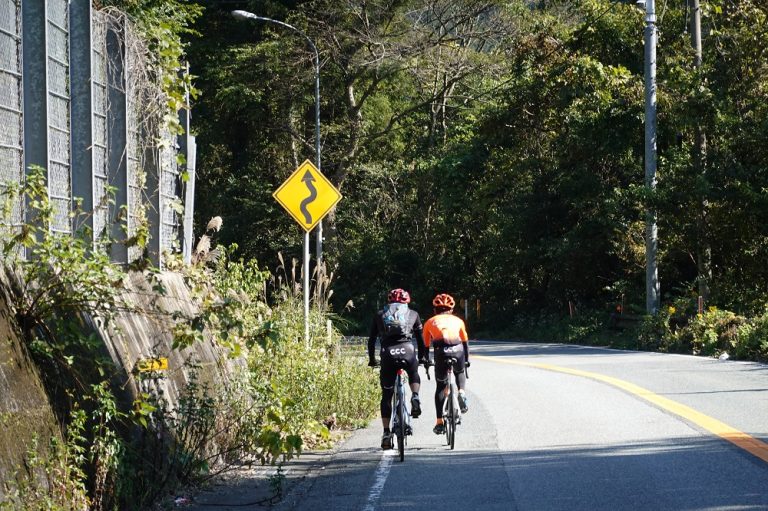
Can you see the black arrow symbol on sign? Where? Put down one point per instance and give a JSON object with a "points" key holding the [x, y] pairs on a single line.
{"points": [[309, 180]]}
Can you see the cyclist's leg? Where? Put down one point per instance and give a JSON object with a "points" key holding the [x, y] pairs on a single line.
{"points": [[441, 379], [461, 381], [387, 376], [387, 380], [413, 370], [458, 370]]}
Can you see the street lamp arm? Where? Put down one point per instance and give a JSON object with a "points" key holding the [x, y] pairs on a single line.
{"points": [[244, 15]]}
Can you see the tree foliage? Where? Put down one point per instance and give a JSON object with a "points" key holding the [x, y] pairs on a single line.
{"points": [[494, 149]]}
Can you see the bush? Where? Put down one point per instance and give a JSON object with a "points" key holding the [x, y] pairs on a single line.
{"points": [[752, 339], [677, 329], [319, 381], [654, 332], [588, 327], [710, 333], [313, 379], [78, 473]]}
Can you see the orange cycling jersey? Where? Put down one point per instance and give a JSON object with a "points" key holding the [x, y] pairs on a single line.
{"points": [[444, 327]]}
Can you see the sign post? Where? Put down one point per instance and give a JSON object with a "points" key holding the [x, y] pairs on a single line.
{"points": [[307, 196]]}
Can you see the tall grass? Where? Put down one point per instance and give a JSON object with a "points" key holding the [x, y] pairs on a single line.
{"points": [[313, 377]]}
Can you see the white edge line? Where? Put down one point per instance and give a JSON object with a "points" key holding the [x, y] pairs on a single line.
{"points": [[382, 472]]}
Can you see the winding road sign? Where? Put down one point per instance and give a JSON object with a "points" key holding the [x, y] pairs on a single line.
{"points": [[307, 195]]}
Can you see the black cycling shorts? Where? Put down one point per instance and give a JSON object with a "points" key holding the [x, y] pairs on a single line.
{"points": [[398, 356], [445, 351]]}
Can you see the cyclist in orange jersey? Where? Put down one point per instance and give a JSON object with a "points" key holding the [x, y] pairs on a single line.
{"points": [[448, 334]]}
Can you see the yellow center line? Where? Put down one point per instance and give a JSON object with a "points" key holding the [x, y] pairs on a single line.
{"points": [[714, 426]]}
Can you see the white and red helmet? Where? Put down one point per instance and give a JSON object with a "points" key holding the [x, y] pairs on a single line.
{"points": [[398, 295]]}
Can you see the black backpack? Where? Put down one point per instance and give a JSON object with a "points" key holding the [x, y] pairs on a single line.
{"points": [[395, 319]]}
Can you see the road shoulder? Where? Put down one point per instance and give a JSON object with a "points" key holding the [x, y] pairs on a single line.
{"points": [[269, 486]]}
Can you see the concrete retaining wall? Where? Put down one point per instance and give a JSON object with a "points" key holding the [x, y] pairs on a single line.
{"points": [[25, 412], [132, 336], [135, 336]]}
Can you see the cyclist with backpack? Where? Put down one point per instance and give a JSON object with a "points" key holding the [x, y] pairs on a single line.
{"points": [[448, 334], [396, 325]]}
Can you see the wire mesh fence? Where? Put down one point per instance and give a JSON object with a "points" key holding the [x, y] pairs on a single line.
{"points": [[354, 347], [11, 127], [169, 192], [134, 155], [149, 154]]}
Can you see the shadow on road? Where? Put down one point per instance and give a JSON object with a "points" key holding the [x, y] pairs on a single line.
{"points": [[521, 348], [676, 474]]}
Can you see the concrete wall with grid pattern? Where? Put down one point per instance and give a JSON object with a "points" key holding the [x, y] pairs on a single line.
{"points": [[71, 102]]}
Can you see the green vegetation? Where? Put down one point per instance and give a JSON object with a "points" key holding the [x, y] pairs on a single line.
{"points": [[162, 24], [592, 328], [495, 149], [713, 332], [285, 397]]}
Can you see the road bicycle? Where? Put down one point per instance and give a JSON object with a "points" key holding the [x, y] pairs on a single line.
{"points": [[401, 416], [451, 410], [451, 417]]}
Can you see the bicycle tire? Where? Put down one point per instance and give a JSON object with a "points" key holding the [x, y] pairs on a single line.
{"points": [[401, 439], [451, 418], [400, 413], [445, 418]]}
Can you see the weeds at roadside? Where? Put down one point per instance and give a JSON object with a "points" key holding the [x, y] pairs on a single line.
{"points": [[126, 459], [276, 483]]}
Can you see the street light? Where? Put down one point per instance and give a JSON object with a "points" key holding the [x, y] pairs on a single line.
{"points": [[245, 15]]}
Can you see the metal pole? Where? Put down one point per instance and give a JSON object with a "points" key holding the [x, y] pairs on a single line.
{"points": [[242, 15], [83, 141], [306, 288], [696, 32], [651, 231], [319, 244]]}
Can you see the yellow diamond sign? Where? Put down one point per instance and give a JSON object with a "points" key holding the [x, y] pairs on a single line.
{"points": [[307, 195]]}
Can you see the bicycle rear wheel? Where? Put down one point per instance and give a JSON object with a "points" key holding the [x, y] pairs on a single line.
{"points": [[401, 439], [451, 423], [446, 422], [400, 417]]}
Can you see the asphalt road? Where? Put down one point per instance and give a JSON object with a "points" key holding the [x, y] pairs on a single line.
{"points": [[555, 427]]}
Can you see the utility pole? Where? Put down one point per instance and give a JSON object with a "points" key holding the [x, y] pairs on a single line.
{"points": [[696, 31], [704, 250], [651, 231], [319, 229]]}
